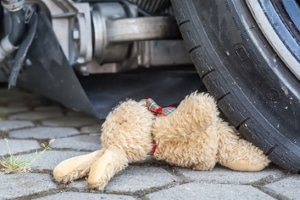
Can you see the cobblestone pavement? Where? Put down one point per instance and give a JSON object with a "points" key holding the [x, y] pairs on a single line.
{"points": [[28, 121]]}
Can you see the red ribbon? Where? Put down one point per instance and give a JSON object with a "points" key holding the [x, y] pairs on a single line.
{"points": [[152, 106]]}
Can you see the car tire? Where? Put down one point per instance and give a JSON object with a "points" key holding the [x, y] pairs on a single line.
{"points": [[253, 87]]}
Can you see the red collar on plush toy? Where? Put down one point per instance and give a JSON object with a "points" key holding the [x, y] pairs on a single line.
{"points": [[158, 110]]}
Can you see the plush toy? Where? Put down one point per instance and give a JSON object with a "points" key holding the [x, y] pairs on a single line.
{"points": [[191, 136]]}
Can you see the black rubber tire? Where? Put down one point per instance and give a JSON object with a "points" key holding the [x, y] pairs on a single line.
{"points": [[253, 88]]}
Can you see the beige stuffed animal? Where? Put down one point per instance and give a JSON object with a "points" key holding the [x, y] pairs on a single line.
{"points": [[192, 136]]}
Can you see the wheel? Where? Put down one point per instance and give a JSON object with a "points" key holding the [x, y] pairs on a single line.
{"points": [[254, 75]]}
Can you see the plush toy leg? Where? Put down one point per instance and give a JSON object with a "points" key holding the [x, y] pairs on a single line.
{"points": [[112, 161], [76, 167], [239, 154], [194, 114]]}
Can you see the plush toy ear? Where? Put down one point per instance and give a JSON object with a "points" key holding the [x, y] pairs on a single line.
{"points": [[239, 154], [194, 114], [76, 167], [111, 162]]}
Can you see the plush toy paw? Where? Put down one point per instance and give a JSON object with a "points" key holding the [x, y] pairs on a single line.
{"points": [[76, 167], [126, 137], [237, 153], [112, 161]]}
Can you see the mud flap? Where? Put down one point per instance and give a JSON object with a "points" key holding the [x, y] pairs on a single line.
{"points": [[48, 73]]}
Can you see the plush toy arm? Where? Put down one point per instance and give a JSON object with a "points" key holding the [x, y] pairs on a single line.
{"points": [[112, 161], [76, 167], [194, 115], [239, 154]]}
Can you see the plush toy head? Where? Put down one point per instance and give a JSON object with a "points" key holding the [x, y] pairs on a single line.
{"points": [[191, 136]]}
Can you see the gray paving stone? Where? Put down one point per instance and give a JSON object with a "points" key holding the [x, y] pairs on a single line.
{"points": [[35, 115], [92, 129], [136, 178], [18, 146], [7, 97], [89, 196], [223, 175], [48, 108], [80, 185], [28, 102], [23, 184], [71, 121], [50, 159], [218, 184], [43, 132], [3, 101], [17, 103], [10, 110], [120, 179], [81, 142], [288, 187], [3, 92], [206, 191], [8, 125], [14, 93], [71, 113]]}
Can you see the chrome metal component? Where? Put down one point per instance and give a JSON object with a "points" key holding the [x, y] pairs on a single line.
{"points": [[115, 31], [83, 25], [73, 27], [104, 50], [13, 5], [61, 26], [156, 53], [108, 37], [144, 28], [6, 48], [93, 67], [160, 53]]}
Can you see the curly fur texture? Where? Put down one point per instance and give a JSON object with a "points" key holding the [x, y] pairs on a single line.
{"points": [[129, 128], [192, 136]]}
